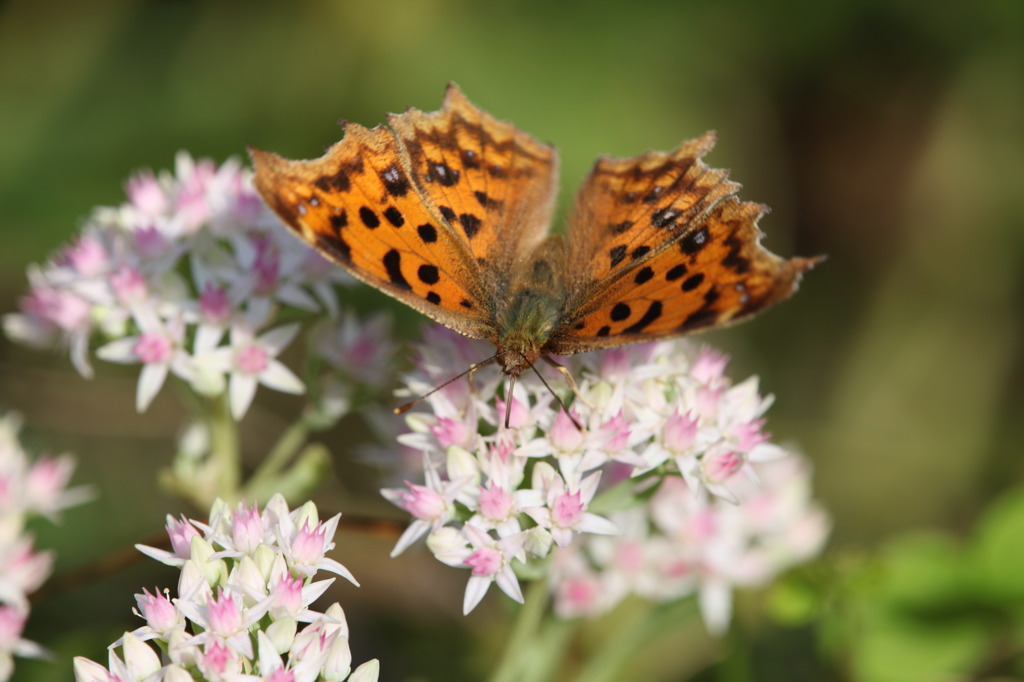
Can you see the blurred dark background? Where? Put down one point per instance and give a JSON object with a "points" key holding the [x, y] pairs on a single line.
{"points": [[888, 135]]}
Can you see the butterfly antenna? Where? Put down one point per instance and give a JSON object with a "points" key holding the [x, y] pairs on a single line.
{"points": [[508, 401], [579, 427], [402, 409]]}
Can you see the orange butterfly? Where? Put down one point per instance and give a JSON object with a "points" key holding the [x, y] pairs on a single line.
{"points": [[449, 212]]}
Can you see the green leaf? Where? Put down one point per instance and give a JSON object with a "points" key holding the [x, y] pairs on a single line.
{"points": [[894, 648], [999, 549], [925, 569], [794, 601]]}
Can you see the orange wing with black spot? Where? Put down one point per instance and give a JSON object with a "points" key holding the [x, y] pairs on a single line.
{"points": [[671, 251], [493, 183], [430, 211]]}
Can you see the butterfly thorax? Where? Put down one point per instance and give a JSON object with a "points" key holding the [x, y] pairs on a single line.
{"points": [[524, 327]]}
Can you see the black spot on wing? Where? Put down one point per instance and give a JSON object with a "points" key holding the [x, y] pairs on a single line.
{"points": [[339, 220], [652, 314], [427, 232], [694, 242], [434, 297], [448, 213], [393, 265], [653, 195], [470, 159], [395, 182], [442, 174], [369, 218], [701, 317], [640, 252], [643, 275], [486, 201], [693, 281], [620, 312], [665, 217], [337, 247], [616, 254], [619, 228], [733, 260], [394, 216], [676, 272], [428, 274], [338, 182], [470, 224]]}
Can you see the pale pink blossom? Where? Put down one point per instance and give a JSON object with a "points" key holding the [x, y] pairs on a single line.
{"points": [[665, 414]]}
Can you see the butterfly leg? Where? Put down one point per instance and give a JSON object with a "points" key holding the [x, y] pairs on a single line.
{"points": [[569, 378]]}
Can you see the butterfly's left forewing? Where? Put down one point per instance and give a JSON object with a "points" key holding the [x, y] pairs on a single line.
{"points": [[358, 205]]}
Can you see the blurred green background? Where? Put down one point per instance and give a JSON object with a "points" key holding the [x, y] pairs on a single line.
{"points": [[888, 135]]}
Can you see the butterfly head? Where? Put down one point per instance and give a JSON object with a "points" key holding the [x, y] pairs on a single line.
{"points": [[515, 361]]}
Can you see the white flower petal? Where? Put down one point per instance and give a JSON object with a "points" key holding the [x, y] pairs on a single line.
{"points": [[207, 338], [509, 584], [333, 566], [278, 338], [241, 389], [414, 532], [175, 673], [89, 671], [476, 588], [593, 523], [279, 378], [139, 657], [122, 351], [367, 672], [715, 600], [151, 379]]}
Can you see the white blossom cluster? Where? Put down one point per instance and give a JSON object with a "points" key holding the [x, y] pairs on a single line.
{"points": [[658, 417], [27, 488], [246, 585], [191, 277]]}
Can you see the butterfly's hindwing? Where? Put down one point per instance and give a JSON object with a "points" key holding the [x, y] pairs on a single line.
{"points": [[492, 182]]}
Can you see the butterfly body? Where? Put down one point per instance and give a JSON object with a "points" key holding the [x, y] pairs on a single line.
{"points": [[449, 212]]}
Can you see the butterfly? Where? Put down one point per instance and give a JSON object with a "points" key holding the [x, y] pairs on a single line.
{"points": [[449, 212]]}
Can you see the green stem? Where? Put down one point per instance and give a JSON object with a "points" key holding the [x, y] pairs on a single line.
{"points": [[224, 449], [628, 637], [736, 665], [549, 648], [283, 451], [521, 639]]}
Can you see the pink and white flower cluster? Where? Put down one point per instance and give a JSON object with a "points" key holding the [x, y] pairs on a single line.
{"points": [[27, 488], [247, 583], [661, 414], [188, 278], [680, 543]]}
